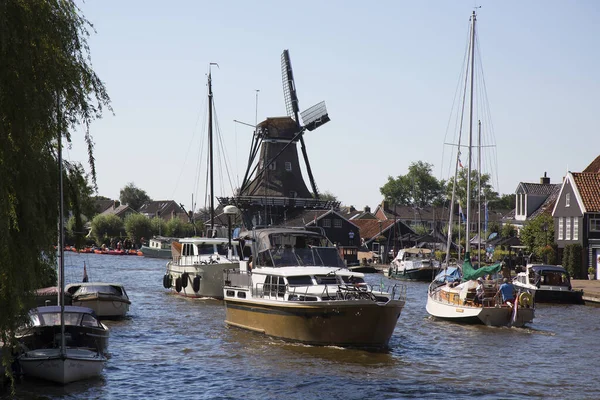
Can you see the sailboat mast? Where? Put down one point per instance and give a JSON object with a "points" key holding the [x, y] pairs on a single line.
{"points": [[479, 190], [61, 245], [210, 150], [473, 20]]}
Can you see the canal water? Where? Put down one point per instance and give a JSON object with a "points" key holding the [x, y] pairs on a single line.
{"points": [[170, 347]]}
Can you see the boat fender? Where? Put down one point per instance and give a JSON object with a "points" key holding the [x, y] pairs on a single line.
{"points": [[185, 277], [178, 284], [196, 283], [525, 300], [167, 281]]}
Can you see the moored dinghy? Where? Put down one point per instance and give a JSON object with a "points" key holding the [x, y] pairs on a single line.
{"points": [[299, 289], [108, 300]]}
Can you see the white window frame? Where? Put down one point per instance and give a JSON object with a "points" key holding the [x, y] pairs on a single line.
{"points": [[575, 228], [568, 228], [288, 166], [568, 200], [337, 223], [560, 228], [272, 166], [326, 223], [594, 223]]}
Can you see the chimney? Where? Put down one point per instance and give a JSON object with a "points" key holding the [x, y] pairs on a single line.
{"points": [[367, 209], [116, 203], [545, 180]]}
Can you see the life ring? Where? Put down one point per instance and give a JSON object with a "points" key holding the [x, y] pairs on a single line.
{"points": [[167, 281], [185, 277], [196, 283], [525, 300], [178, 284]]}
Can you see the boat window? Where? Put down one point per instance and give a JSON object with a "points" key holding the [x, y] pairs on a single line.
{"points": [[303, 280], [206, 248], [222, 249], [352, 279], [230, 293], [326, 279], [241, 295], [89, 320], [105, 289], [328, 256], [555, 278]]}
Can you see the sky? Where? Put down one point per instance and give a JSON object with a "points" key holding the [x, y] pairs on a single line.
{"points": [[388, 71]]}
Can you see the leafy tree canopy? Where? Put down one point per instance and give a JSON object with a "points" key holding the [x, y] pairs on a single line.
{"points": [[328, 196], [538, 236], [138, 226], [487, 191], [133, 197], [418, 187], [47, 88]]}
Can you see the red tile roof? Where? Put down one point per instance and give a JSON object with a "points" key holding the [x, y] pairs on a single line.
{"points": [[588, 184], [594, 166], [370, 228]]}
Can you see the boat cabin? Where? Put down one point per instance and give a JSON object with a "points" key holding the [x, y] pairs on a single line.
{"points": [[205, 250], [539, 275]]}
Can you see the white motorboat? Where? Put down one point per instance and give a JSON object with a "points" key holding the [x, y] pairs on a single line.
{"points": [[297, 288], [108, 300], [548, 283], [198, 270]]}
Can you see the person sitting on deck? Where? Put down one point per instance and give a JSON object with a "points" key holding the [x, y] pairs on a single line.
{"points": [[508, 291], [479, 292]]}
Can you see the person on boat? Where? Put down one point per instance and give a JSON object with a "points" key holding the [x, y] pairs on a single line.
{"points": [[479, 291], [508, 291]]}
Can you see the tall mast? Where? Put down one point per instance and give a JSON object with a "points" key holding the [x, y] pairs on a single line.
{"points": [[210, 151], [61, 262], [479, 191], [473, 20]]}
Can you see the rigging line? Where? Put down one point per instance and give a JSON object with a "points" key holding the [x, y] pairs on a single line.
{"points": [[450, 117], [200, 155], [223, 151], [189, 147]]}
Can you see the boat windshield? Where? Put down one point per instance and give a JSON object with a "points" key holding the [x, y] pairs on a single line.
{"points": [[104, 289], [554, 278], [307, 257], [53, 318]]}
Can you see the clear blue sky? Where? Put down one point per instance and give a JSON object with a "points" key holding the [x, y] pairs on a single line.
{"points": [[388, 71]]}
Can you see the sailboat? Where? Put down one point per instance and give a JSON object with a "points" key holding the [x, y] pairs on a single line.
{"points": [[196, 268], [62, 364], [451, 294]]}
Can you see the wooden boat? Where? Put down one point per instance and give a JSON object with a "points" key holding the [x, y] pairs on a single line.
{"points": [[108, 300], [299, 289]]}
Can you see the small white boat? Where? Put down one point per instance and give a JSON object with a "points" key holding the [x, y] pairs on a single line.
{"points": [[108, 300], [158, 247], [548, 283], [413, 264], [62, 365], [298, 289]]}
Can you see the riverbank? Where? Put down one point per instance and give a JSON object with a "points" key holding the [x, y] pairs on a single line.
{"points": [[591, 289]]}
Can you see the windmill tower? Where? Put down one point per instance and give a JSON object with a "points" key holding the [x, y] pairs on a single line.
{"points": [[273, 188]]}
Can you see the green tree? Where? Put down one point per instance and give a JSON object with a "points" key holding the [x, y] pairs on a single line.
{"points": [[418, 187], [47, 88], [328, 196], [137, 226], [133, 197], [105, 227], [159, 226], [487, 191], [177, 228], [504, 202], [538, 236], [572, 262], [508, 230]]}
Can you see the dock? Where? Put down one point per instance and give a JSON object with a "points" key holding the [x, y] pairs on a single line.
{"points": [[591, 289]]}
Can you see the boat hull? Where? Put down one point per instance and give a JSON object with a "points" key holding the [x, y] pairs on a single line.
{"points": [[422, 275], [104, 306], [491, 316], [49, 364], [356, 323], [211, 279], [155, 253]]}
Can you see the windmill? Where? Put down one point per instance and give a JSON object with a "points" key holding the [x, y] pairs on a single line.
{"points": [[273, 184]]}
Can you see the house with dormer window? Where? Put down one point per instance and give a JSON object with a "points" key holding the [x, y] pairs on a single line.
{"points": [[577, 216], [531, 200]]}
